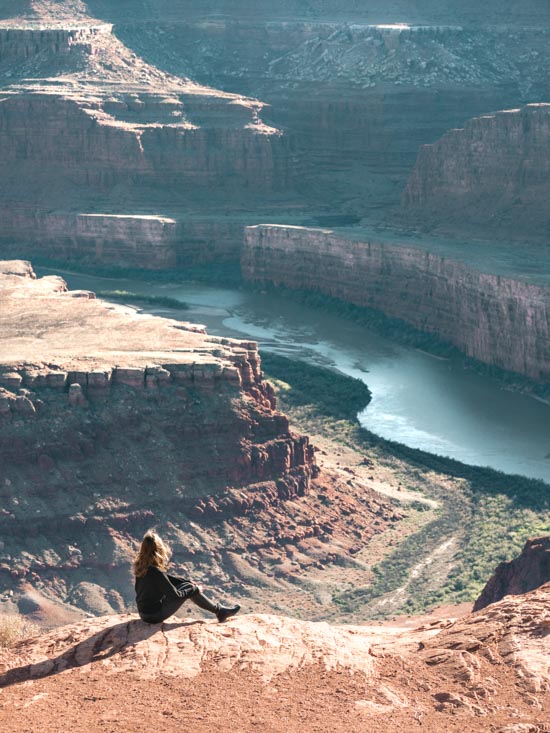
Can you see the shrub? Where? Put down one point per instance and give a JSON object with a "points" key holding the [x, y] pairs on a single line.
{"points": [[124, 296], [332, 394], [14, 628]]}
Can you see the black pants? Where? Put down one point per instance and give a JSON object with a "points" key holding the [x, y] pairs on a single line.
{"points": [[169, 606]]}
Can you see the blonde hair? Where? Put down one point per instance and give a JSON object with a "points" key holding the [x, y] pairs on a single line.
{"points": [[153, 551]]}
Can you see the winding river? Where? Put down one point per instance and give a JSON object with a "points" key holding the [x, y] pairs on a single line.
{"points": [[417, 399]]}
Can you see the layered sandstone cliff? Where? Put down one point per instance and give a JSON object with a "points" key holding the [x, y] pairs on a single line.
{"points": [[356, 90], [497, 320], [528, 571], [492, 175], [149, 242], [112, 422], [88, 129], [356, 96]]}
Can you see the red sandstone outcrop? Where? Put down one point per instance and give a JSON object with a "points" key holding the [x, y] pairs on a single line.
{"points": [[112, 422], [94, 399], [492, 175], [498, 320], [528, 571], [487, 671]]}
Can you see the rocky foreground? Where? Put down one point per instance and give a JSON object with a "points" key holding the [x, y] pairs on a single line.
{"points": [[489, 671]]}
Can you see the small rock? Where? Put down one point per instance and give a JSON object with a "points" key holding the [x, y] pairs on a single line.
{"points": [[76, 396], [24, 406], [11, 380]]}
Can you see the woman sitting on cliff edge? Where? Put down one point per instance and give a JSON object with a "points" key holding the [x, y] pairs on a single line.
{"points": [[159, 595]]}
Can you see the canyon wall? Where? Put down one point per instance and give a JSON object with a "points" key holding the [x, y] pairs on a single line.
{"points": [[497, 320], [133, 241], [347, 94], [355, 99], [145, 242], [492, 175], [147, 146], [111, 422], [96, 146], [373, 11], [17, 45]]}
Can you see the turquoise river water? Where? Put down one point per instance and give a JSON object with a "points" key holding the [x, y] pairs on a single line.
{"points": [[417, 399]]}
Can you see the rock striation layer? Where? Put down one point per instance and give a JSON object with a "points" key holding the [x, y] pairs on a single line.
{"points": [[528, 571], [113, 421], [357, 90], [498, 320], [106, 157], [492, 175]]}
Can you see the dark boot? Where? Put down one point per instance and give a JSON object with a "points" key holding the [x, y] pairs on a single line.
{"points": [[221, 612], [200, 600], [225, 612]]}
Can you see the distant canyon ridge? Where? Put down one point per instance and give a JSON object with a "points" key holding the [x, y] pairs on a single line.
{"points": [[153, 137]]}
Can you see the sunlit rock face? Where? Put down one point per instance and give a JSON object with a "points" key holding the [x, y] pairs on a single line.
{"points": [[486, 669], [498, 320]]}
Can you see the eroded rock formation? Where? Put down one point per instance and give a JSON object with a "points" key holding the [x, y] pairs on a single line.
{"points": [[107, 157], [497, 320], [491, 176], [486, 671], [96, 402], [112, 422], [356, 90], [528, 571]]}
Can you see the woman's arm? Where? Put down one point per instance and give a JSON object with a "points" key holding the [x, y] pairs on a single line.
{"points": [[172, 587], [190, 587]]}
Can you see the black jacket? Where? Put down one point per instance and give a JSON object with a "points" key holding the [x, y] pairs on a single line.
{"points": [[153, 588]]}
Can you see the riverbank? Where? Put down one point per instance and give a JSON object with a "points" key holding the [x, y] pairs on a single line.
{"points": [[228, 274], [500, 320], [405, 334], [464, 519], [436, 405]]}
